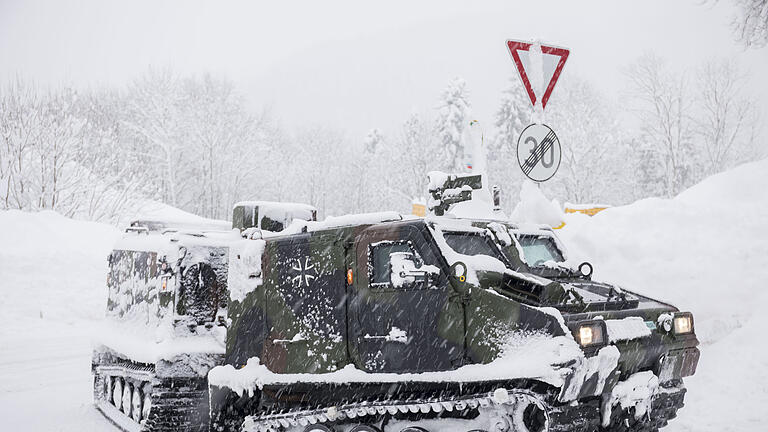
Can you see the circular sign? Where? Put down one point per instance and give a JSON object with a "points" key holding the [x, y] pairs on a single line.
{"points": [[538, 152]]}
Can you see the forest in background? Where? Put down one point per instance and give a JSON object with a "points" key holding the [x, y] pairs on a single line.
{"points": [[192, 142]]}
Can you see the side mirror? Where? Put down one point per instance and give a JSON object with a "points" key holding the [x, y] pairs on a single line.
{"points": [[404, 272], [585, 269], [458, 277]]}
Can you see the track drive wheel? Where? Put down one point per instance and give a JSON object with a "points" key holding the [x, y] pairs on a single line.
{"points": [[117, 392], [108, 388], [127, 397], [146, 406], [136, 401]]}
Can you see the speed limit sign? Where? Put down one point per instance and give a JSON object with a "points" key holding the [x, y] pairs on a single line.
{"points": [[538, 152]]}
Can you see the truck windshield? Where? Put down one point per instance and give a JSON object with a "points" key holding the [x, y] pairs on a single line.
{"points": [[539, 249], [471, 244]]}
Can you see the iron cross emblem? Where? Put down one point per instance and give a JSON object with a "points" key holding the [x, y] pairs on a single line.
{"points": [[302, 272]]}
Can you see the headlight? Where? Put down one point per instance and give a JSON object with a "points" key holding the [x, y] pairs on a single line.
{"points": [[683, 323], [590, 333]]}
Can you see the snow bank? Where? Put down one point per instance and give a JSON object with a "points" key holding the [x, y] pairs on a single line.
{"points": [[706, 251], [534, 208], [52, 267]]}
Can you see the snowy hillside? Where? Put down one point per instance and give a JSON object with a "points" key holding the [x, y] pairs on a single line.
{"points": [[706, 251]]}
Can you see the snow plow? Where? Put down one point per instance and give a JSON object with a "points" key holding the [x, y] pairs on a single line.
{"points": [[382, 322]]}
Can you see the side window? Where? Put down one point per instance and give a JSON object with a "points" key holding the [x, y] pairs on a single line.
{"points": [[378, 261]]}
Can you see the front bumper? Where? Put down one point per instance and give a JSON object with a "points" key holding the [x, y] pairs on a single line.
{"points": [[598, 374], [589, 415]]}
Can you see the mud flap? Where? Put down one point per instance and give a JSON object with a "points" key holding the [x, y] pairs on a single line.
{"points": [[678, 364]]}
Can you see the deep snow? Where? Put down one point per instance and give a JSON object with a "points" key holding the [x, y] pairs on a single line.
{"points": [[705, 251]]}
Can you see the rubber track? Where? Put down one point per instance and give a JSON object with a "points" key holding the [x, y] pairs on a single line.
{"points": [[584, 417], [579, 418], [179, 404]]}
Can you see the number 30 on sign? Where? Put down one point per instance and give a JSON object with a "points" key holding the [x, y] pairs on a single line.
{"points": [[538, 152]]}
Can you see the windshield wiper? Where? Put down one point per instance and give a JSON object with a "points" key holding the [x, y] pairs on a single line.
{"points": [[571, 291], [620, 296]]}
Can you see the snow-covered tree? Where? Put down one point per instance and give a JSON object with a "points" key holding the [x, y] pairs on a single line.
{"points": [[42, 136], [594, 155], [726, 119], [222, 146], [751, 22], [418, 152], [453, 118], [153, 117], [663, 106], [513, 115], [372, 140]]}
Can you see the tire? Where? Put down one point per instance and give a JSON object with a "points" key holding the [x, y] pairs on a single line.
{"points": [[108, 388], [117, 393], [414, 429], [146, 405], [534, 418], [136, 405], [127, 396]]}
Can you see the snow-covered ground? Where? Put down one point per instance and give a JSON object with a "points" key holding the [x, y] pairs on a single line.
{"points": [[705, 251], [52, 277]]}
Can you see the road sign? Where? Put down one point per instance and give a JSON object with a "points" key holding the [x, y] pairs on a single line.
{"points": [[538, 152], [543, 69]]}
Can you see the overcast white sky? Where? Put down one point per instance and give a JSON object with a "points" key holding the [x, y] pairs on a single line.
{"points": [[355, 65]]}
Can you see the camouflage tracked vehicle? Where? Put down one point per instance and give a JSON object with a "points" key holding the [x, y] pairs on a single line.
{"points": [[165, 323], [379, 322]]}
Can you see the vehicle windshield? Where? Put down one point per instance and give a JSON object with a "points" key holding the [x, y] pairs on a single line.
{"points": [[539, 249], [468, 243]]}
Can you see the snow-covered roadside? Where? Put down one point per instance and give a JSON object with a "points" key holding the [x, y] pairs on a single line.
{"points": [[705, 251], [52, 275]]}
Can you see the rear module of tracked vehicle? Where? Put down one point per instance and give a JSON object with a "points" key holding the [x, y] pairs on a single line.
{"points": [[165, 323]]}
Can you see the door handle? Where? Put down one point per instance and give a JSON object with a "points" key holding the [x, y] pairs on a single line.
{"points": [[295, 339], [395, 335]]}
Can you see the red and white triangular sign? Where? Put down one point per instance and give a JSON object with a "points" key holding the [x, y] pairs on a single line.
{"points": [[537, 70]]}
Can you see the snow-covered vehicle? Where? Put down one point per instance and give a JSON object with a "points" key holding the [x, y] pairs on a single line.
{"points": [[379, 322], [383, 322]]}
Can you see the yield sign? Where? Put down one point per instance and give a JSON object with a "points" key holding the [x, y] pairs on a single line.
{"points": [[541, 69]]}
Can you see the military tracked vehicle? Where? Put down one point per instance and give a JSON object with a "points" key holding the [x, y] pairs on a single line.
{"points": [[380, 322]]}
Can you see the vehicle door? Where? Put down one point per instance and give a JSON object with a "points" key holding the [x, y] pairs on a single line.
{"points": [[305, 302], [415, 326]]}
